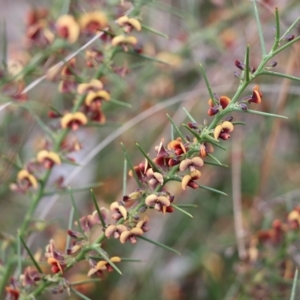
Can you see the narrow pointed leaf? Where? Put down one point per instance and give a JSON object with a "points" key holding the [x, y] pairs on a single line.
{"points": [[247, 64], [98, 209], [215, 164], [150, 29], [81, 296], [19, 255], [159, 244], [293, 293], [189, 115], [259, 28], [195, 134], [31, 255], [277, 32], [290, 28], [172, 133], [218, 146], [55, 110], [213, 141], [256, 112], [182, 210], [126, 259], [131, 166], [151, 163], [277, 74], [176, 128], [187, 205], [207, 85], [104, 255], [66, 191], [214, 158], [70, 225], [211, 189], [121, 103], [124, 177], [287, 45], [74, 283], [76, 213], [238, 123]]}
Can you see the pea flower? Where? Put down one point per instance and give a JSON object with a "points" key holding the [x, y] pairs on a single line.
{"points": [[73, 120], [223, 130]]}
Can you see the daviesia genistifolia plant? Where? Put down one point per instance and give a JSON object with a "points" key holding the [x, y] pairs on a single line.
{"points": [[78, 52]]}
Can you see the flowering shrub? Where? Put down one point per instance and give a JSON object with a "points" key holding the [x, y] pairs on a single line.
{"points": [[79, 54]]}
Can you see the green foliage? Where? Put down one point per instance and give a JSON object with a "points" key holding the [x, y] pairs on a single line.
{"points": [[79, 60]]}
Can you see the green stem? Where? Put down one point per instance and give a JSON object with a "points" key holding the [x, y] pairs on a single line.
{"points": [[40, 288], [277, 34], [271, 73], [5, 276], [207, 85], [247, 63], [37, 198], [260, 32], [230, 107], [285, 46], [290, 28], [34, 203], [39, 195], [260, 71]]}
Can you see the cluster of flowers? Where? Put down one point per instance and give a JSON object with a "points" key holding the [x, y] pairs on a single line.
{"points": [[179, 160], [89, 96], [281, 232], [59, 36], [125, 220], [272, 252]]}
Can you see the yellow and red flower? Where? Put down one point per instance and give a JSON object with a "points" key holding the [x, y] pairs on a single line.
{"points": [[48, 159], [124, 41], [27, 179], [159, 202], [189, 180], [67, 28], [73, 120], [101, 266], [129, 24], [223, 130], [222, 103], [92, 22], [118, 211], [131, 235]]}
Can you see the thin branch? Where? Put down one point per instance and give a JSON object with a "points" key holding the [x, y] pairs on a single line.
{"points": [[237, 195]]}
